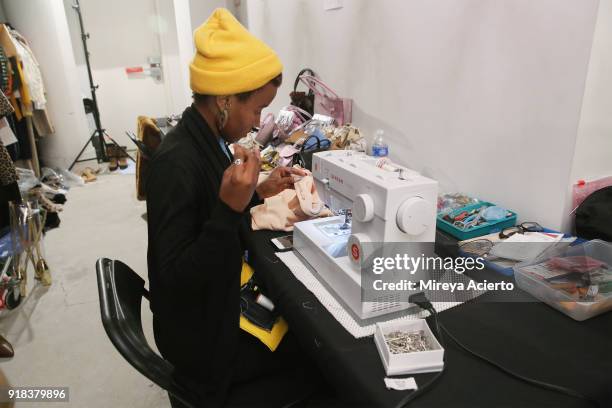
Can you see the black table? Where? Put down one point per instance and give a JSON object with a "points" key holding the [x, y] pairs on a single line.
{"points": [[530, 338]]}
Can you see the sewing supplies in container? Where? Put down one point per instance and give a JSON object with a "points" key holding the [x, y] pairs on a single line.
{"points": [[472, 220], [405, 342], [576, 280], [451, 201], [408, 347]]}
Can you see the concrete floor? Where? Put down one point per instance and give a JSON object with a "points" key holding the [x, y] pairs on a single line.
{"points": [[57, 333]]}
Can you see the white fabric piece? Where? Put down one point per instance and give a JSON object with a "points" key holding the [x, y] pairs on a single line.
{"points": [[401, 384], [6, 133], [32, 74], [303, 274]]}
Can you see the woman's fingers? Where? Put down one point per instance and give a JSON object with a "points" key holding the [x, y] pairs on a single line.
{"points": [[239, 152], [245, 168], [240, 179], [296, 171], [253, 164], [287, 182]]}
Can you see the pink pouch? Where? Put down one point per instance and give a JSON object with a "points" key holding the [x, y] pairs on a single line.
{"points": [[327, 102], [266, 130], [286, 155], [289, 119]]}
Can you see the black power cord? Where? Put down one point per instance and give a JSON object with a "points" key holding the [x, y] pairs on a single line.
{"points": [[421, 300], [532, 381]]}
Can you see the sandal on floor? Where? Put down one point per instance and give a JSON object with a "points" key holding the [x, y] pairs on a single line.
{"points": [[42, 272], [122, 155], [111, 152], [88, 175], [42, 199], [6, 349]]}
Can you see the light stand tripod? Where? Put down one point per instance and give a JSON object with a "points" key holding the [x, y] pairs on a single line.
{"points": [[97, 137]]}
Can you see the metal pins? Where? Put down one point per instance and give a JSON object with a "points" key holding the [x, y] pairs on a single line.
{"points": [[401, 342]]}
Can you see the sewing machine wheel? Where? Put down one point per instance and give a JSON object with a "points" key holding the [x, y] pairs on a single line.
{"points": [[413, 216]]}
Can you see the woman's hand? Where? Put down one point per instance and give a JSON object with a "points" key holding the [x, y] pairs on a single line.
{"points": [[239, 180], [279, 180]]}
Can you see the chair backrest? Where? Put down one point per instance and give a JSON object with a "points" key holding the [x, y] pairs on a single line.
{"points": [[121, 291]]}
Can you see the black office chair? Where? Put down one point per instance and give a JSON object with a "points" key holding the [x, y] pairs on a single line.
{"points": [[121, 291], [145, 150]]}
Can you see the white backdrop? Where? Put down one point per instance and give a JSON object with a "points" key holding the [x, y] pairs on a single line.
{"points": [[482, 95]]}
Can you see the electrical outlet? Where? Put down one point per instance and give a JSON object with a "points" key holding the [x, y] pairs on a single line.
{"points": [[332, 4]]}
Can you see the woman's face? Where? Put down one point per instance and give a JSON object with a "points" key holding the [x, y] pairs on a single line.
{"points": [[245, 115]]}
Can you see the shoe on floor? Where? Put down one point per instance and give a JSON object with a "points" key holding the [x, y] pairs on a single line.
{"points": [[112, 153], [122, 154], [88, 175], [6, 348]]}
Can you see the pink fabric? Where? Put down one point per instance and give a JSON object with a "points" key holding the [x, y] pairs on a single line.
{"points": [[280, 212], [286, 154]]}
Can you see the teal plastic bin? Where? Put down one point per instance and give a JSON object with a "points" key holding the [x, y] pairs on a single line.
{"points": [[478, 231]]}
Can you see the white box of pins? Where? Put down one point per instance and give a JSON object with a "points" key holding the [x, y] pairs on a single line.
{"points": [[408, 347]]}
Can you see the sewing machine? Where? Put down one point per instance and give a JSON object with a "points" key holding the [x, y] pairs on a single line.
{"points": [[389, 203]]}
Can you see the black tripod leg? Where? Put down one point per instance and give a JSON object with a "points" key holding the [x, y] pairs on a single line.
{"points": [[100, 153], [90, 140]]}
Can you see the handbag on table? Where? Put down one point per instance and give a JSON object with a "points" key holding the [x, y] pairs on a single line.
{"points": [[327, 102], [314, 144], [303, 100]]}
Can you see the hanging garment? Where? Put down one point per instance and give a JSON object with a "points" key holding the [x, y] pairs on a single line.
{"points": [[31, 71], [42, 122], [6, 41], [5, 71], [7, 137], [8, 174], [280, 212], [5, 106], [16, 80], [24, 92], [25, 149]]}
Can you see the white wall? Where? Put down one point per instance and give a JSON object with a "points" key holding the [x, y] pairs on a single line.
{"points": [[483, 96], [122, 34], [593, 155], [43, 23], [177, 51], [201, 9]]}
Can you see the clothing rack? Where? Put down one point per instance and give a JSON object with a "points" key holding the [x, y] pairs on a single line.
{"points": [[33, 163]]}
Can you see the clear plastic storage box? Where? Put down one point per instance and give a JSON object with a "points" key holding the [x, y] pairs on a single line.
{"points": [[575, 280]]}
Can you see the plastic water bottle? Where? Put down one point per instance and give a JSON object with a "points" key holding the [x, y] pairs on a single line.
{"points": [[380, 148]]}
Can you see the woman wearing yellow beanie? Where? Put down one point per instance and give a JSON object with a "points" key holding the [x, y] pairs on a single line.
{"points": [[198, 196]]}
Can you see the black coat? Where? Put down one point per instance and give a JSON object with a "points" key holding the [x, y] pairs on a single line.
{"points": [[194, 256]]}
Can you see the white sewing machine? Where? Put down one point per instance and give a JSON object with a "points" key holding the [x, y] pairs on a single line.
{"points": [[389, 204]]}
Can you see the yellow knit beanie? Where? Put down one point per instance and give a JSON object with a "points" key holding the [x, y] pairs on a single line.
{"points": [[229, 59]]}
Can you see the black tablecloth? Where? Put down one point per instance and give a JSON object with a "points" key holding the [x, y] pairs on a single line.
{"points": [[530, 338]]}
